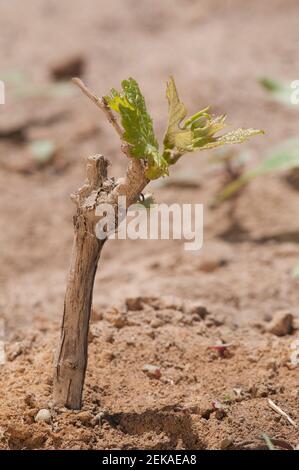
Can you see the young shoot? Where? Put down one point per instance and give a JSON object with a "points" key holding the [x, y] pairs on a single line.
{"points": [[127, 112]]}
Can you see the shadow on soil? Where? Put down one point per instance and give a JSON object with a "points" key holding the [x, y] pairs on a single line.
{"points": [[177, 426]]}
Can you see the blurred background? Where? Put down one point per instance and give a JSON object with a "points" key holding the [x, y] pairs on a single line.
{"points": [[217, 51]]}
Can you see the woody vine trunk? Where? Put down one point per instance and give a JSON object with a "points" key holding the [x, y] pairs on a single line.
{"points": [[71, 357]]}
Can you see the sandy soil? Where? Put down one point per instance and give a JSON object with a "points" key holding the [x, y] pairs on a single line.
{"points": [[183, 303]]}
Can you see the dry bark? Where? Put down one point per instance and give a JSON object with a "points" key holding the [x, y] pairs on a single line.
{"points": [[71, 357]]}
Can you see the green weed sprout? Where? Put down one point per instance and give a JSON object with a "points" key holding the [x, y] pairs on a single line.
{"points": [[282, 157]]}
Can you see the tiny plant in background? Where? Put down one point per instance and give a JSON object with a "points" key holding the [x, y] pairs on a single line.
{"points": [[126, 111], [231, 166], [285, 92], [24, 87], [281, 158]]}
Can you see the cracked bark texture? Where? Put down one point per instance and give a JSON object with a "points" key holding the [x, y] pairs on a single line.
{"points": [[71, 357]]}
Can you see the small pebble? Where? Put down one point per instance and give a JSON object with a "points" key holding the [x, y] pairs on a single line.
{"points": [[152, 371], [107, 356], [210, 263], [281, 324], [43, 415], [134, 303], [253, 358], [156, 323], [116, 318], [85, 417], [225, 444]]}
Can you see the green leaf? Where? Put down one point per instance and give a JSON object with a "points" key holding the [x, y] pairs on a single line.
{"points": [[235, 137], [148, 201], [116, 99], [232, 188], [279, 90], [198, 131], [157, 167], [138, 127], [176, 113], [284, 157]]}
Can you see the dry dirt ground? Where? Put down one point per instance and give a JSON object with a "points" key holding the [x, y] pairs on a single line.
{"points": [[154, 303]]}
